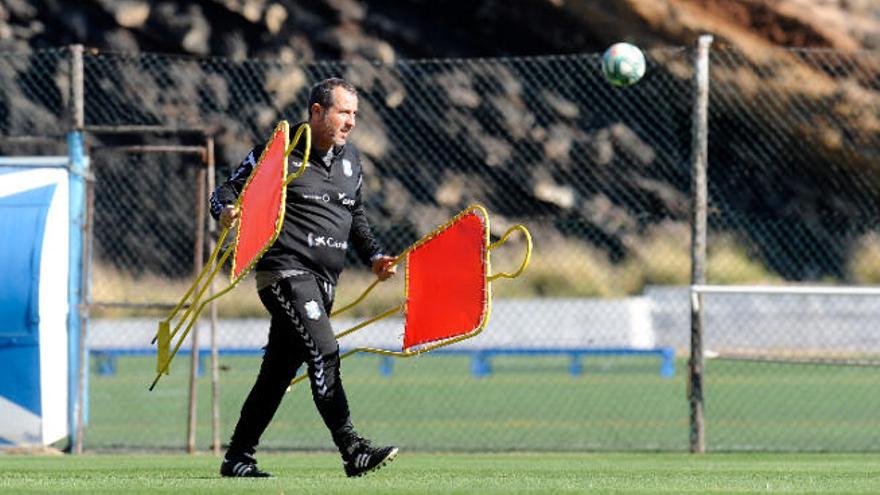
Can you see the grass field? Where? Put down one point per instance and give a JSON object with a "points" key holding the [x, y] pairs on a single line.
{"points": [[432, 403], [453, 473]]}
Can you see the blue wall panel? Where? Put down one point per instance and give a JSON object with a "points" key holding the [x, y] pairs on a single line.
{"points": [[22, 226]]}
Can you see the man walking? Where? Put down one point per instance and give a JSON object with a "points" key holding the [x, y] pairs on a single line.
{"points": [[296, 280]]}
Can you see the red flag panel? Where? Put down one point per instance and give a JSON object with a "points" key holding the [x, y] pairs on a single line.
{"points": [[446, 283], [261, 205]]}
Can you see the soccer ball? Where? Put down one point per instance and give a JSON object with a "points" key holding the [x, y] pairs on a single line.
{"points": [[623, 64]]}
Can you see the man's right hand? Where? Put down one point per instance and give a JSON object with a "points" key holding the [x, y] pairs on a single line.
{"points": [[228, 216], [384, 267]]}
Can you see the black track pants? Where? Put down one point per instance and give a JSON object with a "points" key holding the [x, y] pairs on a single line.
{"points": [[300, 333]]}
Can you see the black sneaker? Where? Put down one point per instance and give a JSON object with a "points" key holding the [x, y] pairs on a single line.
{"points": [[362, 457], [241, 466]]}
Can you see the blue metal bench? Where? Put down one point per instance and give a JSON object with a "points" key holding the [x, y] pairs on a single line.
{"points": [[105, 359], [481, 365]]}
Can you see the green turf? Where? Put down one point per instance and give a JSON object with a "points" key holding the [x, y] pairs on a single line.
{"points": [[433, 403], [453, 473]]}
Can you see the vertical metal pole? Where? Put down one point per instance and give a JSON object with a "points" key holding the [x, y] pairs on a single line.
{"points": [[85, 277], [77, 90], [699, 160], [215, 362], [198, 256], [75, 323]]}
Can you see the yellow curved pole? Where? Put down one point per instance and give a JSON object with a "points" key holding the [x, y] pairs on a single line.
{"points": [[402, 256], [192, 321], [369, 288], [302, 129], [356, 301], [526, 259], [201, 291], [353, 329], [384, 314], [194, 310], [192, 287], [409, 353], [164, 335]]}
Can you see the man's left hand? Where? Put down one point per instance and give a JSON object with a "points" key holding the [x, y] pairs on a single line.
{"points": [[383, 267]]}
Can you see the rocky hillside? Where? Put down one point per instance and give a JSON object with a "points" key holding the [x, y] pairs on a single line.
{"points": [[387, 29], [794, 149]]}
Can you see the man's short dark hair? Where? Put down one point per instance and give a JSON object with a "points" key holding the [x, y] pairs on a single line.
{"points": [[322, 93]]}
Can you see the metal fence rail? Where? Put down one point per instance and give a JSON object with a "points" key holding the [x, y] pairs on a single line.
{"points": [[602, 177]]}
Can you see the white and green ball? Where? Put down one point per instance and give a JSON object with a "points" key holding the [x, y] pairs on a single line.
{"points": [[623, 64]]}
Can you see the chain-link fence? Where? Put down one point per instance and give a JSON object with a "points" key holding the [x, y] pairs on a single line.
{"points": [[793, 182], [600, 175]]}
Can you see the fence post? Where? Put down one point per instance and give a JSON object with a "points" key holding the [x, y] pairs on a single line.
{"points": [[699, 164], [215, 362], [198, 257], [77, 318]]}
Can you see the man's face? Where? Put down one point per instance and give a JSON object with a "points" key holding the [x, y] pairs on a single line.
{"points": [[334, 123]]}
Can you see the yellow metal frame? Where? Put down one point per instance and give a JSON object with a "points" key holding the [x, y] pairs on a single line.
{"points": [[164, 336], [401, 308], [289, 146]]}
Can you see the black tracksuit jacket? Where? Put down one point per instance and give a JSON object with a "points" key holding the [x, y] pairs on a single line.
{"points": [[323, 215]]}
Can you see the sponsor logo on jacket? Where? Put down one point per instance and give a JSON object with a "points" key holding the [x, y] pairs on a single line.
{"points": [[345, 200], [317, 241]]}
